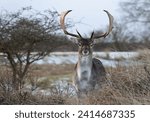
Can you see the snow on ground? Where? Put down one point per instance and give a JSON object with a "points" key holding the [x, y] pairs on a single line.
{"points": [[107, 58]]}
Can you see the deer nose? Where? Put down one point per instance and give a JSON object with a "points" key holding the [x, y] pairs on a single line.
{"points": [[85, 52]]}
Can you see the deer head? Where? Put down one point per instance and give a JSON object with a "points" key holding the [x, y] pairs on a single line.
{"points": [[85, 44]]}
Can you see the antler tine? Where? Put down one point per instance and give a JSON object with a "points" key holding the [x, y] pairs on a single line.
{"points": [[62, 21], [110, 26]]}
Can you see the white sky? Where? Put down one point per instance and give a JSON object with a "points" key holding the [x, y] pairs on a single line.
{"points": [[89, 12]]}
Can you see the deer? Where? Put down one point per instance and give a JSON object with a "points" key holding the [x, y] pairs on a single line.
{"points": [[89, 72]]}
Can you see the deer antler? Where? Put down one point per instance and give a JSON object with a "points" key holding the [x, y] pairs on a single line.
{"points": [[62, 21], [110, 26]]}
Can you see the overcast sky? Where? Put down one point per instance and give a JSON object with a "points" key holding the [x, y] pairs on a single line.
{"points": [[88, 12]]}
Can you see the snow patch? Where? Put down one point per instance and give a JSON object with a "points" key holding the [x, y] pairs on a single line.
{"points": [[72, 57]]}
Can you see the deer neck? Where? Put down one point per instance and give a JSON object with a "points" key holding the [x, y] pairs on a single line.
{"points": [[84, 67]]}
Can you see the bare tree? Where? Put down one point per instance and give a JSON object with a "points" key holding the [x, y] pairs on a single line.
{"points": [[137, 14], [137, 11], [22, 35]]}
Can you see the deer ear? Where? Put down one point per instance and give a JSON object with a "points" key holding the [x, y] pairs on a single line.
{"points": [[92, 35]]}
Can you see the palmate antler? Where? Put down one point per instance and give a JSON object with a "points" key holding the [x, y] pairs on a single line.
{"points": [[78, 35]]}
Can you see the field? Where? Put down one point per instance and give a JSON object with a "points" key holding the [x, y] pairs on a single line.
{"points": [[49, 81]]}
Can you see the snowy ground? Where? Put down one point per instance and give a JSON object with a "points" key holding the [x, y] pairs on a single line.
{"points": [[107, 58]]}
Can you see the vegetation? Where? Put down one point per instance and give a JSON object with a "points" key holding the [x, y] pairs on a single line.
{"points": [[126, 85]]}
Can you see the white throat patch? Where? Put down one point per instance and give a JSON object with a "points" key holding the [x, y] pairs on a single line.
{"points": [[84, 69]]}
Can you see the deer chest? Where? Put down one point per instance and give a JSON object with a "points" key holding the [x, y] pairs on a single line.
{"points": [[84, 73]]}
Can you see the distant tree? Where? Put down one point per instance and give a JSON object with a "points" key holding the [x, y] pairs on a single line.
{"points": [[118, 38], [136, 13], [23, 39], [137, 10]]}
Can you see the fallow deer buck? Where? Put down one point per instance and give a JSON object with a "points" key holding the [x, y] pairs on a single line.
{"points": [[89, 72]]}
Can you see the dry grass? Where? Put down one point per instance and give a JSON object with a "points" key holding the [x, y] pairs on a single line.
{"points": [[26, 98], [127, 85], [52, 70]]}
